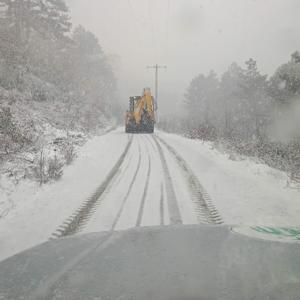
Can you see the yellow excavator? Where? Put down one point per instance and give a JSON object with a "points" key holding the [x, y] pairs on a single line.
{"points": [[141, 114]]}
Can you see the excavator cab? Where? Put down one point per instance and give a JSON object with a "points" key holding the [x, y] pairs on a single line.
{"points": [[133, 101], [140, 116]]}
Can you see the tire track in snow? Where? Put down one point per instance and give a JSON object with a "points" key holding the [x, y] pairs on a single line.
{"points": [[128, 192], [151, 143], [206, 211], [175, 217], [142, 205], [118, 178], [74, 223], [161, 205], [161, 200]]}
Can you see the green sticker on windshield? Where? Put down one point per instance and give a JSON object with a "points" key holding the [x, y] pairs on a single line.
{"points": [[279, 231], [283, 234]]}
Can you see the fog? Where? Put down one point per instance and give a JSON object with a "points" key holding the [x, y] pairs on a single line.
{"points": [[286, 124], [85, 149], [190, 37]]}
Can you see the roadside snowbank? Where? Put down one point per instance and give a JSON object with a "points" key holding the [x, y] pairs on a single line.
{"points": [[36, 212], [244, 192]]}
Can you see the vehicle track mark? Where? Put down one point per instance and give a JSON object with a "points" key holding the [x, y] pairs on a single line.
{"points": [[206, 211], [124, 170], [128, 192], [151, 143], [161, 205], [175, 217], [142, 205], [79, 218]]}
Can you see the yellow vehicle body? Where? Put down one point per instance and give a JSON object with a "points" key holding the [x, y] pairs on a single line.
{"points": [[141, 117]]}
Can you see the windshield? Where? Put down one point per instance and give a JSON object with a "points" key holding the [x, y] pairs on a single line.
{"points": [[118, 115]]}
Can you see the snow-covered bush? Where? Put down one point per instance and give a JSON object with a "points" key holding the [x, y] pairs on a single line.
{"points": [[12, 139], [47, 167], [39, 170], [69, 152], [203, 132], [54, 168]]}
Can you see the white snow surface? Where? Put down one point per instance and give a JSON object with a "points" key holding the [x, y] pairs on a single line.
{"points": [[38, 211], [244, 192]]}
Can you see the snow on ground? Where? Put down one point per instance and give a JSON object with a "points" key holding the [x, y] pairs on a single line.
{"points": [[36, 212], [244, 192]]}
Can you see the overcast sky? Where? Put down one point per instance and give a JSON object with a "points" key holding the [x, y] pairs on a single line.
{"points": [[189, 36]]}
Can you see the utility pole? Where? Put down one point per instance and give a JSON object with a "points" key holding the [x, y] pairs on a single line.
{"points": [[156, 67]]}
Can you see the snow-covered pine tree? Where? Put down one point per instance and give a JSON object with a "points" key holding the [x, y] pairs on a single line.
{"points": [[89, 76], [47, 17], [23, 24], [201, 104], [285, 83], [257, 103], [230, 104]]}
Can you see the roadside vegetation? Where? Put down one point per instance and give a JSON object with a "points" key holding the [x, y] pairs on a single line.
{"points": [[57, 86], [247, 113]]}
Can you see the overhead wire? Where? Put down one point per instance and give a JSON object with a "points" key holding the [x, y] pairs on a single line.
{"points": [[167, 30], [117, 15], [154, 44], [135, 24]]}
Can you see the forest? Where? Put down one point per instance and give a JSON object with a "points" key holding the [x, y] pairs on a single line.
{"points": [[246, 112], [56, 86]]}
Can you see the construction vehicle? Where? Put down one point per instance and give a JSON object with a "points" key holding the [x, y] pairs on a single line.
{"points": [[141, 114]]}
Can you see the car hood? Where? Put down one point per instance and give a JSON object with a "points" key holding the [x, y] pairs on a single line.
{"points": [[170, 262]]}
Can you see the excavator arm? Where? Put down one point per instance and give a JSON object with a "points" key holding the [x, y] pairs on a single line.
{"points": [[141, 117], [138, 110]]}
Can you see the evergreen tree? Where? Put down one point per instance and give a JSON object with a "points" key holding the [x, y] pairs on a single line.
{"points": [[88, 77], [25, 26], [230, 91], [48, 17], [285, 83], [201, 102], [254, 92]]}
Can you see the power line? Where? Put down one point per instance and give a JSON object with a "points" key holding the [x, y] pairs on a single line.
{"points": [[168, 20], [136, 25], [152, 30], [168, 28]]}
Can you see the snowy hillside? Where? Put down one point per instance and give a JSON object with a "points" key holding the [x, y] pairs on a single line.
{"points": [[57, 89], [37, 132]]}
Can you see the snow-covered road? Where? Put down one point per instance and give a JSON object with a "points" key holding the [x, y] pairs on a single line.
{"points": [[149, 185], [121, 181], [145, 191]]}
